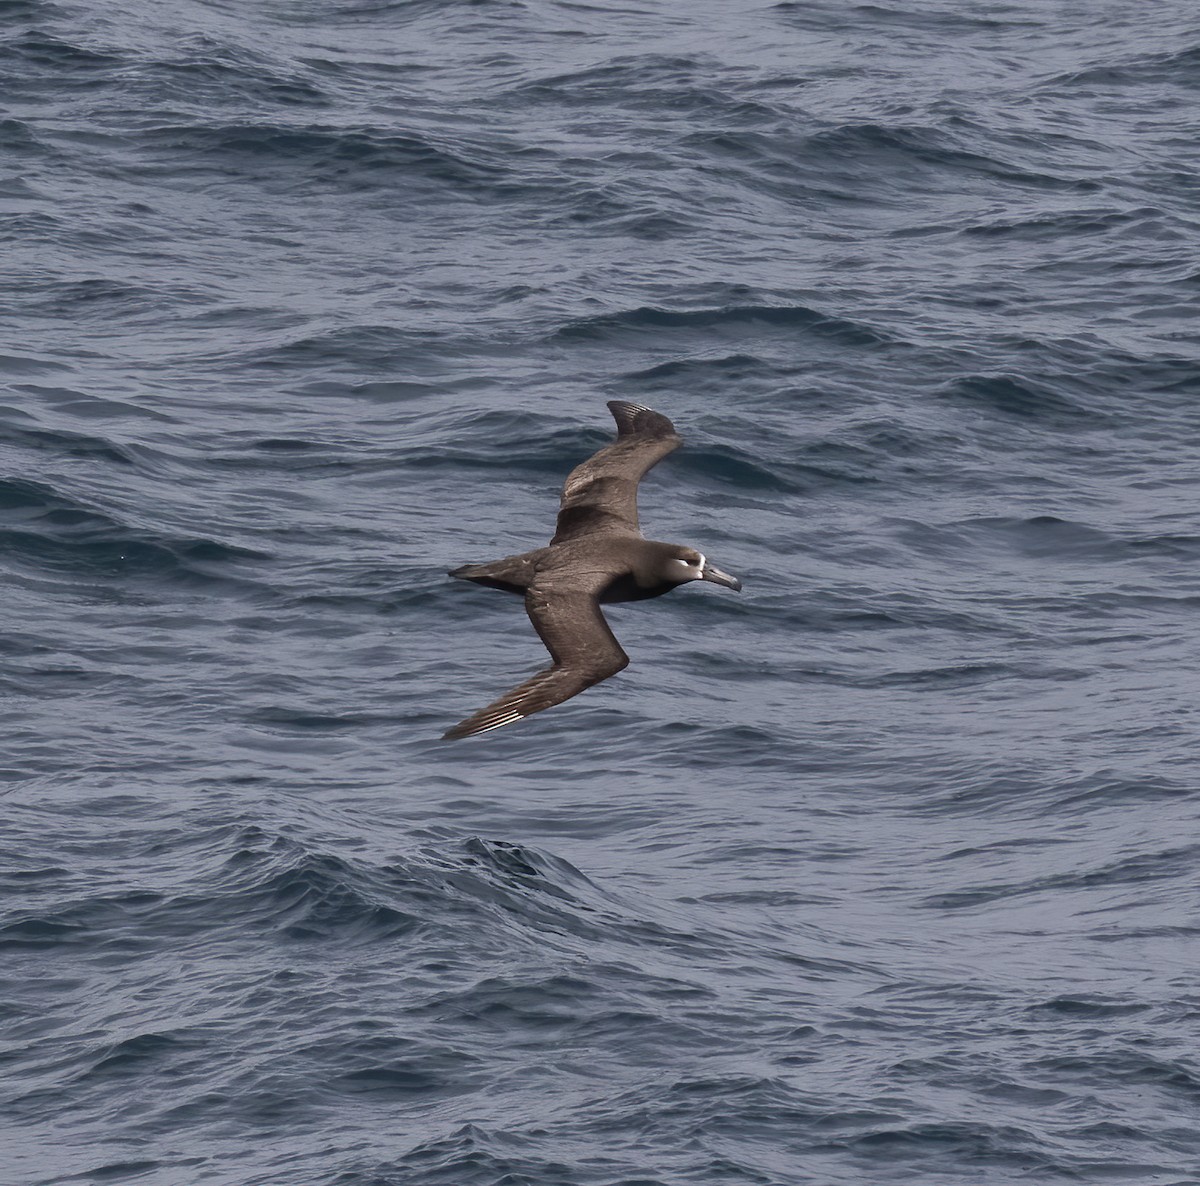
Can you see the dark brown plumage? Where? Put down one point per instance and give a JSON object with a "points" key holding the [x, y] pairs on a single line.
{"points": [[597, 556]]}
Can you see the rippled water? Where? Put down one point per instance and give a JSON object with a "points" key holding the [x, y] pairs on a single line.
{"points": [[884, 871]]}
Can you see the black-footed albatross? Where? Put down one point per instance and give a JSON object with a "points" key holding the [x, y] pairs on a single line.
{"points": [[597, 556]]}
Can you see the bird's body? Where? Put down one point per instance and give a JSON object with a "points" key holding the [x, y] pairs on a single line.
{"points": [[598, 556]]}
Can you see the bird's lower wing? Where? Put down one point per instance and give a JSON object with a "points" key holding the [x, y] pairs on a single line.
{"points": [[584, 650]]}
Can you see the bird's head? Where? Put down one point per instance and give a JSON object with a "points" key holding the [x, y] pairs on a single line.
{"points": [[686, 564]]}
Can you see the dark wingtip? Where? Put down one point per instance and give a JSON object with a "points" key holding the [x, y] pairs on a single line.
{"points": [[636, 420], [462, 729], [473, 726]]}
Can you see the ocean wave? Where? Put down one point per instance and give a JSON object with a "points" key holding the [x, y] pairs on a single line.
{"points": [[364, 347], [932, 147], [676, 87], [210, 75], [60, 442], [353, 157], [66, 535], [16, 136], [104, 299], [728, 320], [1019, 396], [934, 20], [725, 367], [1088, 221], [399, 12], [1172, 67], [17, 424], [39, 50]]}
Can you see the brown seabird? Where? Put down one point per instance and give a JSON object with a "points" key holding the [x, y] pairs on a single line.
{"points": [[597, 556]]}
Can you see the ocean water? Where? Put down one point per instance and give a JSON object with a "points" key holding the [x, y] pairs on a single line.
{"points": [[883, 871]]}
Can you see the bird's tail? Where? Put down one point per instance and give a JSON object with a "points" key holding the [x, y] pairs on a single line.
{"points": [[513, 574]]}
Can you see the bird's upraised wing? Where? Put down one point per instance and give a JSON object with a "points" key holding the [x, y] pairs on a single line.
{"points": [[600, 495]]}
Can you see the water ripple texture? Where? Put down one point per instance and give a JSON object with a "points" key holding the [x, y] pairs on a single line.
{"points": [[884, 872]]}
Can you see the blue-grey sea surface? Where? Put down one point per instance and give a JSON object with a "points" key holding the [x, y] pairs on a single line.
{"points": [[885, 871]]}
